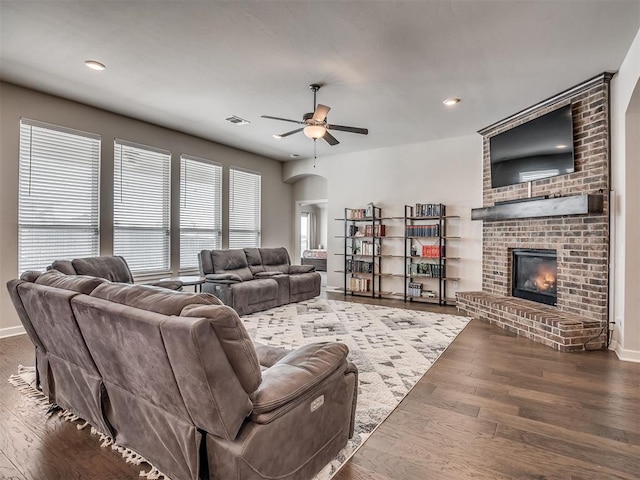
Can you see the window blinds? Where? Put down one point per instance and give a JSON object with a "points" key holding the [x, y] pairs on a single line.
{"points": [[58, 198], [200, 209], [244, 208], [141, 206]]}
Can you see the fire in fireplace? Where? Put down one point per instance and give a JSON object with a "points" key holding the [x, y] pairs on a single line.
{"points": [[534, 275]]}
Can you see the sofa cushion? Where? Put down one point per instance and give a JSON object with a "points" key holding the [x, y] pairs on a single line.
{"points": [[64, 266], [76, 283], [30, 276], [234, 340], [231, 261], [223, 278], [275, 259], [254, 259], [153, 299], [114, 269]]}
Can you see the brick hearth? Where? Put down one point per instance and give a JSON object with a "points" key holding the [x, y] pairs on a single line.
{"points": [[581, 241]]}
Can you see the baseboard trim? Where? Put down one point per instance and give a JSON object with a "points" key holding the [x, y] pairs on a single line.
{"points": [[11, 332], [624, 354]]}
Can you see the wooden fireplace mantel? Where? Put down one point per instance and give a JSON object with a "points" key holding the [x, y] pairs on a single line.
{"points": [[544, 207]]}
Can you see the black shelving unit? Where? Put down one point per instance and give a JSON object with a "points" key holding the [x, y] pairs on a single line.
{"points": [[425, 252], [363, 233]]}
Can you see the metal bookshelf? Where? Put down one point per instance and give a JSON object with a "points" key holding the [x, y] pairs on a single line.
{"points": [[425, 250]]}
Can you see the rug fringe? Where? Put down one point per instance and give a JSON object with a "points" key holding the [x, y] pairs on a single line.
{"points": [[27, 389]]}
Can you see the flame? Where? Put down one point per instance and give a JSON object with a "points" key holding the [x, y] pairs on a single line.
{"points": [[545, 278]]}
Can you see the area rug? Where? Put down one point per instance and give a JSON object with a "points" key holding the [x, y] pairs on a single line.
{"points": [[392, 348]]}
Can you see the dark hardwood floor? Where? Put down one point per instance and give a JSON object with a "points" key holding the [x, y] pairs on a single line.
{"points": [[493, 406]]}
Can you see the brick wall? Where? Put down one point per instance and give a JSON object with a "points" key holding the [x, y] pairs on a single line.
{"points": [[581, 242]]}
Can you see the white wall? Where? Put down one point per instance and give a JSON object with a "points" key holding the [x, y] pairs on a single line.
{"points": [[445, 171], [17, 102], [625, 166]]}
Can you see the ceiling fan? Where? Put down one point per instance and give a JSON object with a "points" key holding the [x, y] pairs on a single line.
{"points": [[315, 123]]}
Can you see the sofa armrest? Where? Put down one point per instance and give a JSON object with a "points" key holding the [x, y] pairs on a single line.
{"points": [[170, 284], [293, 269], [223, 278], [296, 374]]}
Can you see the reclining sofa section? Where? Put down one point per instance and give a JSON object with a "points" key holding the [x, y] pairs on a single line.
{"points": [[174, 377], [253, 279]]}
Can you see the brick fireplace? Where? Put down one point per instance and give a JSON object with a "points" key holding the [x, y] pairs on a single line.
{"points": [[572, 221]]}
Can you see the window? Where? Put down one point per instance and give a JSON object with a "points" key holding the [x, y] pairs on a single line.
{"points": [[244, 208], [200, 209], [58, 204], [141, 206], [304, 232]]}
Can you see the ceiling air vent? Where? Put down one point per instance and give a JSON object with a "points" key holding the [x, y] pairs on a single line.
{"points": [[237, 120]]}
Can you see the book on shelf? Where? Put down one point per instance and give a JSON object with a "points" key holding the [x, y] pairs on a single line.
{"points": [[370, 248], [423, 230], [356, 213], [432, 251], [353, 230], [425, 269], [427, 210], [359, 284], [415, 289], [359, 266], [375, 230]]}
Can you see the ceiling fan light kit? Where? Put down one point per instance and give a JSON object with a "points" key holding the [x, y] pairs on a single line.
{"points": [[315, 123], [314, 131]]}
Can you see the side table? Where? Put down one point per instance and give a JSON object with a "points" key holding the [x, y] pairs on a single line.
{"points": [[189, 280]]}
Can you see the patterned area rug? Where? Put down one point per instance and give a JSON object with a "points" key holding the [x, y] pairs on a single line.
{"points": [[392, 347]]}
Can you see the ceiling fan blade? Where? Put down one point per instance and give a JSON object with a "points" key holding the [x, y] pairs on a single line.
{"points": [[282, 119], [321, 112], [342, 128], [282, 135], [331, 140]]}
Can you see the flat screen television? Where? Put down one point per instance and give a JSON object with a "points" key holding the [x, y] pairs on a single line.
{"points": [[540, 148]]}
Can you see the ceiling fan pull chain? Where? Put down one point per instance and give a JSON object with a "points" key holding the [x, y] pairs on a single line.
{"points": [[315, 142]]}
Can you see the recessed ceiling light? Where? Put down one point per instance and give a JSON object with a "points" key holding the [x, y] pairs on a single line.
{"points": [[94, 65], [451, 101], [561, 146], [294, 155]]}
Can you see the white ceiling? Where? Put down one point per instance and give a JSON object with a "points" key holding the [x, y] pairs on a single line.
{"points": [[385, 65]]}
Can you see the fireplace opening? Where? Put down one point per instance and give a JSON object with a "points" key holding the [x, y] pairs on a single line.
{"points": [[534, 275]]}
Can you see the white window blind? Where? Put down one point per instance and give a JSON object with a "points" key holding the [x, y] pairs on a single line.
{"points": [[244, 208], [141, 206], [58, 198], [200, 209]]}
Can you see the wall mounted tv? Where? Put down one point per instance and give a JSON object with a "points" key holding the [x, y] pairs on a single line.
{"points": [[540, 148]]}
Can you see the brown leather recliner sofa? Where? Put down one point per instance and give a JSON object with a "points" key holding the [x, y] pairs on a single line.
{"points": [[174, 377], [254, 279]]}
